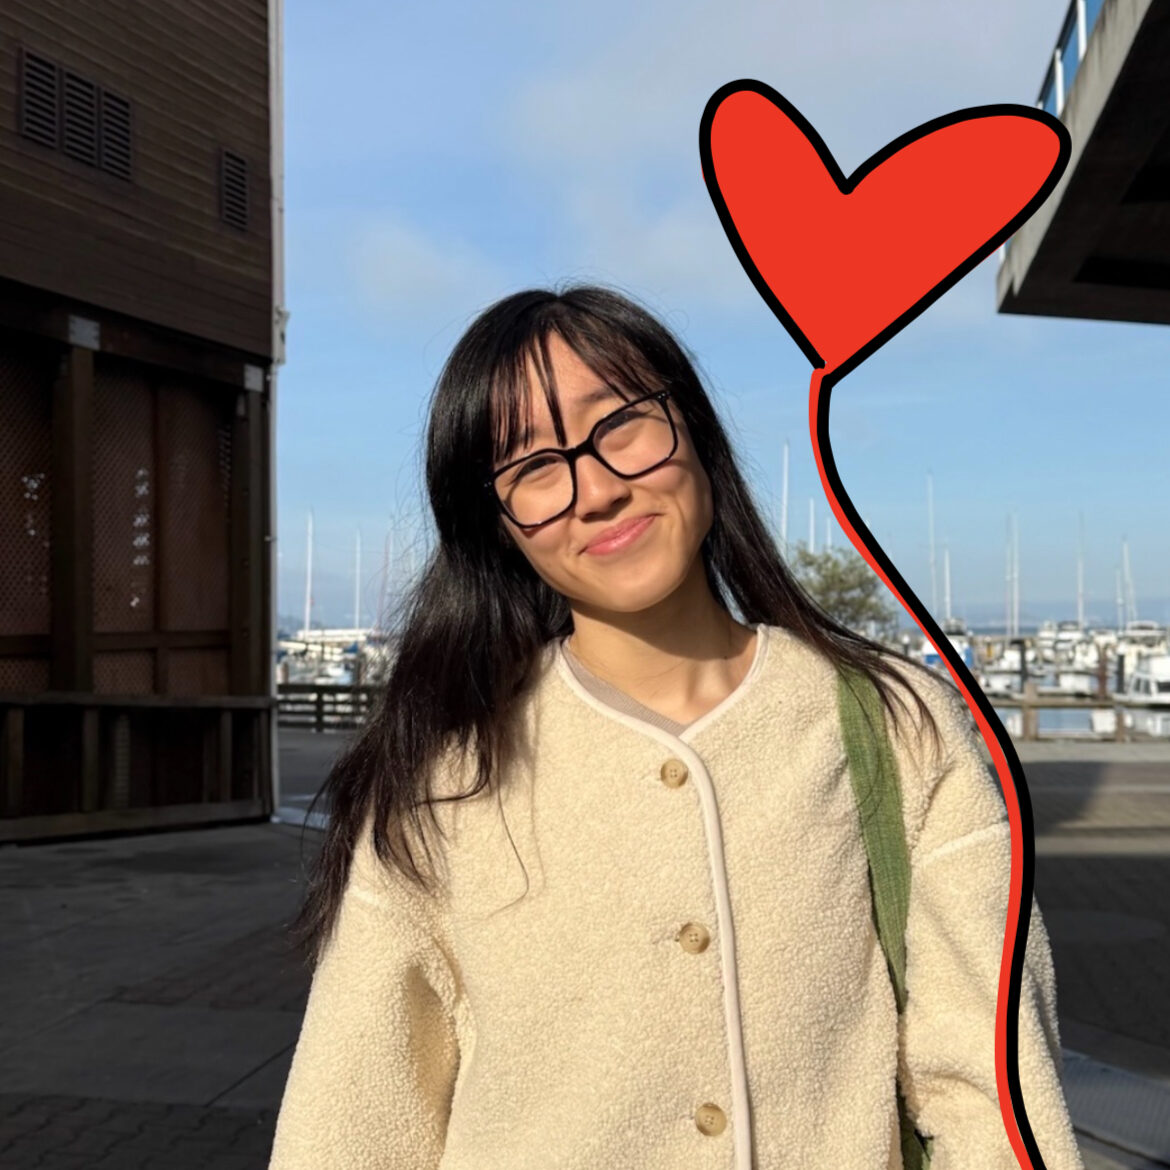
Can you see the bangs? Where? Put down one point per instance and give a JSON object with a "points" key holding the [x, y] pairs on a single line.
{"points": [[619, 365]]}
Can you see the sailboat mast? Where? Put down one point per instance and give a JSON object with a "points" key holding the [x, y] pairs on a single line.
{"points": [[357, 584], [1130, 599], [947, 581], [930, 521], [1081, 574], [382, 590], [1007, 581], [784, 503], [309, 576], [1016, 573]]}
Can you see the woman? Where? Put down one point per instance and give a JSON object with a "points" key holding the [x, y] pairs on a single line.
{"points": [[648, 941]]}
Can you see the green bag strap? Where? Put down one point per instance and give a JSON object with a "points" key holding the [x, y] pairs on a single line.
{"points": [[873, 771]]}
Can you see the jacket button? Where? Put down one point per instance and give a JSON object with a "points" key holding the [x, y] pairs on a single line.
{"points": [[693, 937], [710, 1119], [674, 773]]}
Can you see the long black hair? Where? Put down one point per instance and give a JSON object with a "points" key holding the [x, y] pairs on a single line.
{"points": [[472, 625]]}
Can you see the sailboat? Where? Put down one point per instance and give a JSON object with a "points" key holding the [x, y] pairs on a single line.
{"points": [[954, 628], [1147, 695], [959, 636]]}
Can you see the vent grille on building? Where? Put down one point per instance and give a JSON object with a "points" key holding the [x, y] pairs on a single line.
{"points": [[63, 110], [115, 135], [80, 137], [233, 188], [38, 99]]}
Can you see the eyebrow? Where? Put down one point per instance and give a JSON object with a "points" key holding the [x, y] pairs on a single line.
{"points": [[598, 394]]}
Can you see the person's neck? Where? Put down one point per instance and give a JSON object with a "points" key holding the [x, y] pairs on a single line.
{"points": [[681, 657]]}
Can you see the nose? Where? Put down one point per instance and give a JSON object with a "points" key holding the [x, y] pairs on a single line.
{"points": [[597, 486]]}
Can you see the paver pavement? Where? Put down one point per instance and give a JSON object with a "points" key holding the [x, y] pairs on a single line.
{"points": [[152, 998]]}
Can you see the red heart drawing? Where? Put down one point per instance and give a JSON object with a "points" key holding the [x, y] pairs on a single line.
{"points": [[847, 262], [844, 264]]}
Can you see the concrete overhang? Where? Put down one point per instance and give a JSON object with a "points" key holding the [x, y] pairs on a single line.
{"points": [[1099, 246]]}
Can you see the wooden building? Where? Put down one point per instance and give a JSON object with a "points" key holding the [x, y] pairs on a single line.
{"points": [[140, 330]]}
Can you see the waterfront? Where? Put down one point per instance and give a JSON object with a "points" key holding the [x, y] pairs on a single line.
{"points": [[1062, 681]]}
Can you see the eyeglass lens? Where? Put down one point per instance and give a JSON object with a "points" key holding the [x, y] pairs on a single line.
{"points": [[632, 441]]}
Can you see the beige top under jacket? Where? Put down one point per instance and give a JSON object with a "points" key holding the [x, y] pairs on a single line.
{"points": [[684, 973]]}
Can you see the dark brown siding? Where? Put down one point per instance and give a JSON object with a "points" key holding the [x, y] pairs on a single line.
{"points": [[134, 653], [154, 247]]}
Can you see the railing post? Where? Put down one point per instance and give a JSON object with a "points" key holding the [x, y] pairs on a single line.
{"points": [[12, 765], [1028, 708], [223, 776], [320, 710], [90, 761], [1082, 32]]}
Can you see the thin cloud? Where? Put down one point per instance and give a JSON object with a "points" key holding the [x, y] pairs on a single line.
{"points": [[613, 137], [404, 275]]}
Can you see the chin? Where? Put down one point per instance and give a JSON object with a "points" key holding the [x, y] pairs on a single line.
{"points": [[632, 592]]}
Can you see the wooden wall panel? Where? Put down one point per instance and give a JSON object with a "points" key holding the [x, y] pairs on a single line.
{"points": [[155, 248]]}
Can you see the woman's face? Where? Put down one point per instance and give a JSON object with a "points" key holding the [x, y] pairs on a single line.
{"points": [[676, 496]]}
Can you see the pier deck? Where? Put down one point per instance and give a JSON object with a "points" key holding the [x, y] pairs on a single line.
{"points": [[153, 1003]]}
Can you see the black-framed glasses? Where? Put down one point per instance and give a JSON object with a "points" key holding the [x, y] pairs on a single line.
{"points": [[629, 441]]}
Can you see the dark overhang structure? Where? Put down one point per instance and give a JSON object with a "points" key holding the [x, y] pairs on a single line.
{"points": [[1099, 247]]}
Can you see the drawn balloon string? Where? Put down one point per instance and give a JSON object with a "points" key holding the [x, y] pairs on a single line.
{"points": [[845, 263]]}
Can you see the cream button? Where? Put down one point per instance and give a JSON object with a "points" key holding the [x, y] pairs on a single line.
{"points": [[674, 773], [710, 1119], [693, 937]]}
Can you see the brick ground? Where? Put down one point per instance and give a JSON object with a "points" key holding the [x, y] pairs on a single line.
{"points": [[152, 1000], [77, 1133], [154, 995]]}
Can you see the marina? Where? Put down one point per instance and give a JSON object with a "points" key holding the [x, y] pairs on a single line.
{"points": [[1066, 679], [1102, 684], [1063, 679]]}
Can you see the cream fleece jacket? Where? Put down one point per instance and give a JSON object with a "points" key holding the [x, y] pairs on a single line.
{"points": [[689, 978]]}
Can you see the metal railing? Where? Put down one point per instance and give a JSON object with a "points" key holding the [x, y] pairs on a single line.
{"points": [[323, 707], [1079, 21], [1080, 18], [1030, 707]]}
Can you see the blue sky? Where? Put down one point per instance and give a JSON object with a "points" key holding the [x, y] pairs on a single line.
{"points": [[441, 156]]}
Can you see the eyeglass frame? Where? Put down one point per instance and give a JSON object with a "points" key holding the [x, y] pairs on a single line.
{"points": [[586, 447]]}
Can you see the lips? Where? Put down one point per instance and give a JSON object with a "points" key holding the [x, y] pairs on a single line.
{"points": [[616, 530]]}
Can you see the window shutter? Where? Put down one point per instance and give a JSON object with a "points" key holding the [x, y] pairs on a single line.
{"points": [[63, 110], [233, 188], [39, 101], [80, 138], [115, 136]]}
